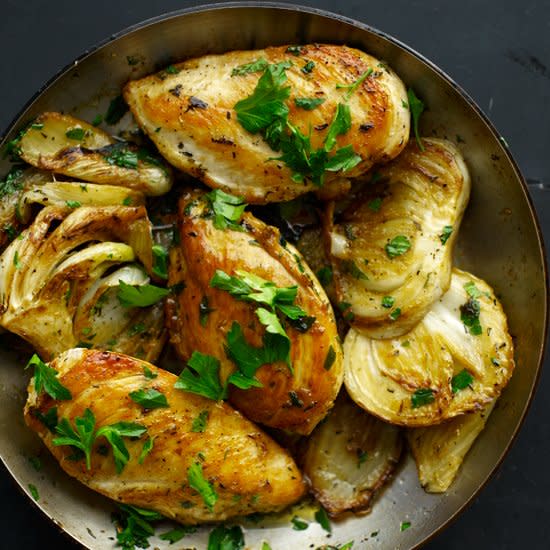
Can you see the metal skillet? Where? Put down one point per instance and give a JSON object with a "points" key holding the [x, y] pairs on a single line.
{"points": [[499, 241]]}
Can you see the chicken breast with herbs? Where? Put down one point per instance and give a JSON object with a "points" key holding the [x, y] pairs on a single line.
{"points": [[329, 111], [249, 299], [189, 458], [391, 249]]}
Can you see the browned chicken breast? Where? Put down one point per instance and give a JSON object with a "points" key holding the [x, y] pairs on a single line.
{"points": [[293, 396], [224, 454], [392, 248], [191, 114]]}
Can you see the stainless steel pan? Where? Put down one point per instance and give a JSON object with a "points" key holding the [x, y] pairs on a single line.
{"points": [[500, 241]]}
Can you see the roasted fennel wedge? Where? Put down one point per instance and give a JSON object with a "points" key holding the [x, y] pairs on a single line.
{"points": [[69, 146], [440, 450], [350, 456], [391, 249], [227, 468], [218, 312], [456, 360], [59, 281], [197, 116]]}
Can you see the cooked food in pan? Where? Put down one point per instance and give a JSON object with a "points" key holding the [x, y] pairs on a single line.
{"points": [[106, 274]]}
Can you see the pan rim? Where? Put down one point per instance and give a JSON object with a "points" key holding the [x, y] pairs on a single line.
{"points": [[266, 5]]}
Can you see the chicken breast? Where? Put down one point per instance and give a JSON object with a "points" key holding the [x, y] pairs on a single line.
{"points": [[392, 247], [247, 470], [189, 112], [200, 316]]}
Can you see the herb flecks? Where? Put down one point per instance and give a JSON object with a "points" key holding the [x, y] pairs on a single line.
{"points": [[416, 107]]}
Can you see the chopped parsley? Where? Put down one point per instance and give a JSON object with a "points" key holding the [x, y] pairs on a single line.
{"points": [[404, 525], [227, 209], [416, 108], [200, 422], [201, 377], [295, 50], [397, 246], [226, 538], [34, 492], [299, 524], [134, 527], [160, 261], [77, 134], [73, 204], [176, 534], [445, 234], [147, 448], [329, 359], [247, 68], [45, 378], [351, 267], [461, 381], [148, 373], [98, 119], [421, 397], [308, 67], [388, 301], [308, 103], [16, 261], [361, 457], [375, 204], [140, 296], [197, 481], [136, 329], [353, 86], [171, 69], [149, 398], [35, 462], [469, 315], [120, 155], [117, 109], [325, 275], [12, 182], [49, 419], [395, 314], [321, 517]]}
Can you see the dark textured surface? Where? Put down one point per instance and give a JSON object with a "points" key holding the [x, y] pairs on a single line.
{"points": [[498, 51]]}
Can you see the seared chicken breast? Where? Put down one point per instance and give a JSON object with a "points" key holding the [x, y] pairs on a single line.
{"points": [[456, 360], [392, 247], [244, 467], [294, 396], [190, 114]]}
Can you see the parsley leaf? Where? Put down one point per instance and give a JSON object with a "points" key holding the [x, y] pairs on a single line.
{"points": [[375, 204], [12, 182], [34, 492], [200, 422], [148, 373], [76, 133], [461, 381], [226, 538], [114, 434], [160, 261], [397, 246], [395, 314], [308, 67], [197, 481], [469, 315], [253, 67], [323, 520], [416, 107], [73, 204], [271, 322], [177, 534], [120, 155], [446, 233], [340, 124], [404, 525], [134, 526], [146, 449], [325, 275], [350, 267], [299, 524], [353, 86], [82, 439], [308, 103], [421, 397], [45, 378], [388, 301], [227, 209], [329, 359], [259, 110], [149, 398], [140, 296], [201, 377], [117, 109], [49, 419]]}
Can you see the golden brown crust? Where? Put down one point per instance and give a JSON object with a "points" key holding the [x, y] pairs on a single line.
{"points": [[206, 140], [292, 402], [247, 469]]}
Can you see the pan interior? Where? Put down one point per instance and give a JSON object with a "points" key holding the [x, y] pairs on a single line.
{"points": [[499, 242]]}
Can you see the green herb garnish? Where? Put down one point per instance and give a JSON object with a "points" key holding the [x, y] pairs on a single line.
{"points": [[446, 233], [421, 397], [353, 86], [227, 209], [388, 301], [201, 377], [45, 378], [160, 261], [197, 481], [325, 275], [149, 398], [299, 524], [117, 109], [308, 103], [416, 108], [247, 68], [395, 314], [397, 246], [200, 422], [176, 534], [461, 381], [140, 296], [73, 204], [321, 517], [34, 492], [77, 134], [375, 204], [226, 538]]}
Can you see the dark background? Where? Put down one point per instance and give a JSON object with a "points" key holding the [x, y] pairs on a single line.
{"points": [[498, 50]]}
